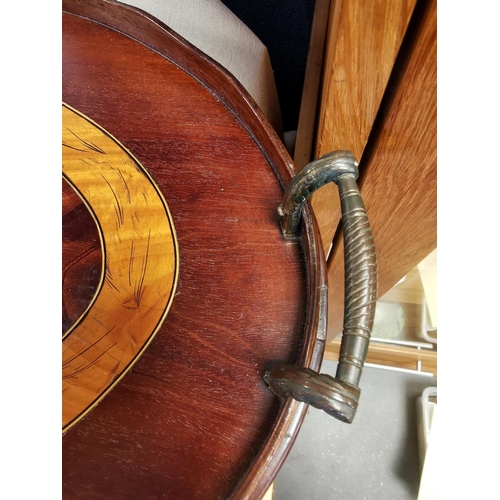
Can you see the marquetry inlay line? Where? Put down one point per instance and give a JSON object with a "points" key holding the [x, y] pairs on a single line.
{"points": [[141, 264], [101, 239]]}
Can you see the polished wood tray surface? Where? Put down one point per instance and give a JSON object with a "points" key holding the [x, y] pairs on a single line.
{"points": [[185, 412]]}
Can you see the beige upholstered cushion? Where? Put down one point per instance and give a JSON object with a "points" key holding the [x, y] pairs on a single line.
{"points": [[211, 27]]}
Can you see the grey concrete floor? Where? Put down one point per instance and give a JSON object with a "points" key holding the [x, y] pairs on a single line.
{"points": [[374, 458]]}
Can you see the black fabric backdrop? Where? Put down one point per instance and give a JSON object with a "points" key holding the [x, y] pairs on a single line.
{"points": [[284, 27]]}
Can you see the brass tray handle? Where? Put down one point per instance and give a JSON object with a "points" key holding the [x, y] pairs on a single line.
{"points": [[337, 396]]}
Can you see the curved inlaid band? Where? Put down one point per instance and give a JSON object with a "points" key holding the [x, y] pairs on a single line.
{"points": [[141, 264]]}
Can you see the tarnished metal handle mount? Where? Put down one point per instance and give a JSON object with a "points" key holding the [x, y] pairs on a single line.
{"points": [[337, 396]]}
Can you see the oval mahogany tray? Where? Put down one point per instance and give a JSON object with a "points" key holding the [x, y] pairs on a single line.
{"points": [[166, 398]]}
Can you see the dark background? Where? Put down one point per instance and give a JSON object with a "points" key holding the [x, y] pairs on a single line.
{"points": [[284, 27]]}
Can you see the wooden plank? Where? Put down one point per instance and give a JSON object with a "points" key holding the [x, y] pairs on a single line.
{"points": [[390, 355], [399, 181], [363, 42], [312, 82]]}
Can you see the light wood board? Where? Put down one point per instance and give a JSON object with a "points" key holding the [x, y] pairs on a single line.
{"points": [[399, 185]]}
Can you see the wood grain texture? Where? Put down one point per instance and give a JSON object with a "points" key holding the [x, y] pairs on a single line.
{"points": [[363, 42], [399, 170], [140, 268], [193, 418], [393, 356]]}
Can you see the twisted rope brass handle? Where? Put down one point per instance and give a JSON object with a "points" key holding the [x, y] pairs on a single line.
{"points": [[337, 396]]}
